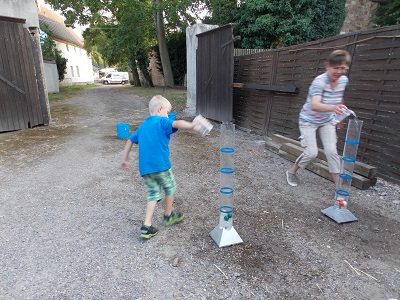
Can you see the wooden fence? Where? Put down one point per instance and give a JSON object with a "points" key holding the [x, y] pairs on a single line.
{"points": [[240, 52], [271, 87]]}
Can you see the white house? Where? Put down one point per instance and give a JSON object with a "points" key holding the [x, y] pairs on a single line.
{"points": [[79, 64]]}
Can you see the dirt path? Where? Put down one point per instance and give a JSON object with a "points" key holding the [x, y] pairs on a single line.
{"points": [[69, 219]]}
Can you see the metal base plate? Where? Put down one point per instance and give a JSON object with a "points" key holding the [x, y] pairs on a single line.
{"points": [[340, 215], [224, 237]]}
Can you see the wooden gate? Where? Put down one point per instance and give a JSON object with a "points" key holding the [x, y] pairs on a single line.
{"points": [[214, 65], [19, 99]]}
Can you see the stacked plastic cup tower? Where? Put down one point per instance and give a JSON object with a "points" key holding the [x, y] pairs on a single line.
{"points": [[348, 162], [227, 171]]}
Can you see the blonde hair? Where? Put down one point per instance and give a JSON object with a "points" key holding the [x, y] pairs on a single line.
{"points": [[156, 101]]}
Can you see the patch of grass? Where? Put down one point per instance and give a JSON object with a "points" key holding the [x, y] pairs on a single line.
{"points": [[67, 92], [177, 96]]}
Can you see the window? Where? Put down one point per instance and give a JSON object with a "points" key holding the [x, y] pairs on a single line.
{"points": [[72, 71], [77, 71]]}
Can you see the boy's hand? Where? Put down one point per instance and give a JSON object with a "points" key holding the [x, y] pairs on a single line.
{"points": [[125, 165], [202, 125], [196, 126]]}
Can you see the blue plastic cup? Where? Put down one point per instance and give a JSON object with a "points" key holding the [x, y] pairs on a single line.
{"points": [[123, 130]]}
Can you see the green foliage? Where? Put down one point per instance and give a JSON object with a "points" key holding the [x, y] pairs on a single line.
{"points": [[61, 65], [178, 13], [388, 14], [123, 30], [47, 44], [223, 12], [176, 44], [49, 51], [277, 23]]}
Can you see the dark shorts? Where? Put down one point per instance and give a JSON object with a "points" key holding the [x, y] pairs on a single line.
{"points": [[156, 182]]}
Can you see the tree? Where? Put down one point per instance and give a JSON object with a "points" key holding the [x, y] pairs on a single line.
{"points": [[162, 46], [388, 14], [49, 51], [223, 12], [277, 23], [176, 44], [173, 12]]}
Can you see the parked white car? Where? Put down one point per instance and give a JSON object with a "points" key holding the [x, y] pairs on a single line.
{"points": [[115, 77]]}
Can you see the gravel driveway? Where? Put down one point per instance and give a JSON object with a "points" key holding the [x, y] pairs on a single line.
{"points": [[70, 218]]}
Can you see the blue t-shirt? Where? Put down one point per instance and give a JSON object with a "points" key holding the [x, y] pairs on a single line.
{"points": [[153, 137], [321, 86]]}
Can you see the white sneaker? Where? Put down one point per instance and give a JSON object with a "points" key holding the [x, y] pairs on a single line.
{"points": [[291, 178]]}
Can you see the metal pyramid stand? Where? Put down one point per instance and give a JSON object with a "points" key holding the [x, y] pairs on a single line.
{"points": [[339, 212], [224, 234]]}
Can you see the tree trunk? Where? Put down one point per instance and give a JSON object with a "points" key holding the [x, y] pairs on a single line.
{"points": [[162, 45], [142, 63], [148, 82], [135, 74]]}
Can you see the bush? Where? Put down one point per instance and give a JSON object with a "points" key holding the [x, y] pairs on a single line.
{"points": [[61, 65]]}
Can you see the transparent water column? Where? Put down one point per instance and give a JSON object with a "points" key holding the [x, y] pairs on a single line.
{"points": [[339, 211], [348, 162], [224, 234], [227, 172]]}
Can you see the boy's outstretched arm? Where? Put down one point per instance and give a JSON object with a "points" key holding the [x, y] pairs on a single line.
{"points": [[182, 124], [125, 157]]}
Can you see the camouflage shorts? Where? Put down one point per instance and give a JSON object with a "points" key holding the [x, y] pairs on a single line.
{"points": [[156, 182]]}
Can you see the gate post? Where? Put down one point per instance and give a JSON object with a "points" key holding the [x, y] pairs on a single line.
{"points": [[191, 48], [40, 77]]}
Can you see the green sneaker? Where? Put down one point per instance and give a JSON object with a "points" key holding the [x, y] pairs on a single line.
{"points": [[147, 232], [173, 218]]}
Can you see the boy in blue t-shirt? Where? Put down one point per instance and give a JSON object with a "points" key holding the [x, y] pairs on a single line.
{"points": [[153, 137]]}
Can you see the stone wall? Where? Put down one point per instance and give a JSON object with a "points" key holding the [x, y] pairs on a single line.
{"points": [[360, 14]]}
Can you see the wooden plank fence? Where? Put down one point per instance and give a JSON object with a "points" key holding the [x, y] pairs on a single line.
{"points": [[373, 92]]}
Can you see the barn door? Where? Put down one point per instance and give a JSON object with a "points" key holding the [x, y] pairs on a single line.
{"points": [[19, 100], [214, 73]]}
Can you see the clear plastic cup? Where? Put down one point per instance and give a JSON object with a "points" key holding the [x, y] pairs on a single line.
{"points": [[346, 112], [205, 125]]}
